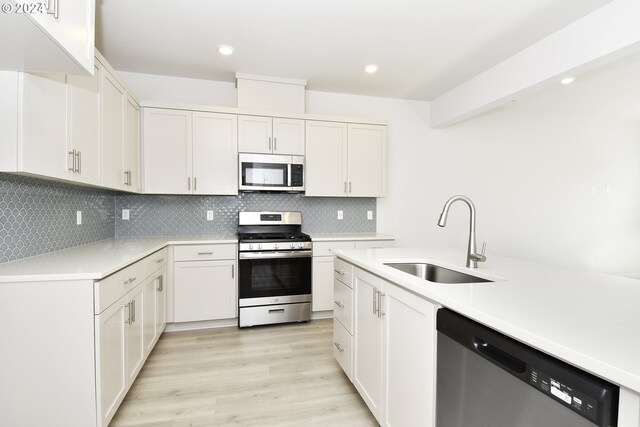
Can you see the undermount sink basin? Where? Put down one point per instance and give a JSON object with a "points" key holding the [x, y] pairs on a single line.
{"points": [[435, 273]]}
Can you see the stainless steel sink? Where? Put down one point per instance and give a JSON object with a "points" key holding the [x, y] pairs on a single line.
{"points": [[435, 273]]}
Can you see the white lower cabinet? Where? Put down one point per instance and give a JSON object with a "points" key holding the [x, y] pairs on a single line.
{"points": [[323, 268], [127, 329], [393, 351], [204, 282]]}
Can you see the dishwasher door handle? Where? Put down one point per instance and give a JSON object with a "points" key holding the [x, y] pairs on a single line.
{"points": [[499, 357]]}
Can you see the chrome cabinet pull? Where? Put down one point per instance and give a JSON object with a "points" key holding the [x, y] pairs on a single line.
{"points": [[345, 187], [339, 304], [126, 178], [269, 143], [79, 163], [133, 302], [130, 280], [160, 284], [375, 291], [349, 187], [339, 347], [195, 183], [53, 12], [73, 161], [275, 144], [128, 321], [205, 253], [189, 183], [380, 297], [233, 271], [159, 261], [340, 272]]}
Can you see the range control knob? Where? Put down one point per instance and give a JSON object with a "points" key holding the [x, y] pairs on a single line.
{"points": [[275, 246], [259, 245], [293, 245], [250, 246], [300, 245]]}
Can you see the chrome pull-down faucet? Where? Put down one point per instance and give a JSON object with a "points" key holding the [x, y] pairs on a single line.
{"points": [[472, 256]]}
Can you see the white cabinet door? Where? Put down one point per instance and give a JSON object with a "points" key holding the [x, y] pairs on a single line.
{"points": [[322, 283], [255, 134], [161, 300], [83, 111], [204, 290], [149, 314], [288, 136], [112, 131], [408, 359], [167, 152], [215, 153], [367, 375], [367, 160], [134, 333], [44, 126], [111, 359], [73, 28], [131, 149], [326, 159]]}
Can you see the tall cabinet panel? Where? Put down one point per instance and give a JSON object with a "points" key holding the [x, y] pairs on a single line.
{"points": [[44, 125], [215, 153], [131, 148], [83, 96], [326, 159], [112, 131], [167, 152], [367, 160]]}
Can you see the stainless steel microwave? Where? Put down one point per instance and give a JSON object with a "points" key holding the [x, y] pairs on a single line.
{"points": [[266, 172]]}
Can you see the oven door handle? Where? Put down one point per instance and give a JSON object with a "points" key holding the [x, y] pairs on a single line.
{"points": [[275, 254]]}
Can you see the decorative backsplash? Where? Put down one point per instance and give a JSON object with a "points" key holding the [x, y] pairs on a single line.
{"points": [[152, 215], [38, 216]]}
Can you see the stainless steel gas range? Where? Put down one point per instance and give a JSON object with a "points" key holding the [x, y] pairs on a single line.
{"points": [[274, 277]]}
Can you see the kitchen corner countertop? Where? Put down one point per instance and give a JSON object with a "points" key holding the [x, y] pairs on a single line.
{"points": [[337, 237], [97, 260], [589, 320]]}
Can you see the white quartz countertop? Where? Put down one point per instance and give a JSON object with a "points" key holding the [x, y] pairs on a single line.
{"points": [[587, 319], [97, 260], [337, 237]]}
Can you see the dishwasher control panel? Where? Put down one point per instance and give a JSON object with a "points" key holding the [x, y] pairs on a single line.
{"points": [[561, 392]]}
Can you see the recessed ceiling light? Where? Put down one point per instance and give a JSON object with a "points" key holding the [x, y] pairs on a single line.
{"points": [[567, 80], [225, 49], [371, 68]]}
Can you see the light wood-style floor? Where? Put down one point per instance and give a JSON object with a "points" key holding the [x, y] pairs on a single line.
{"points": [[282, 375]]}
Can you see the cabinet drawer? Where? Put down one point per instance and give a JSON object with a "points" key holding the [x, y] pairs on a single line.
{"points": [[204, 252], [343, 305], [343, 271], [111, 288], [343, 347], [363, 244], [324, 248], [155, 261]]}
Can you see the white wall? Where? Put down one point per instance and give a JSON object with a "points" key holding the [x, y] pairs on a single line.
{"points": [[538, 171]]}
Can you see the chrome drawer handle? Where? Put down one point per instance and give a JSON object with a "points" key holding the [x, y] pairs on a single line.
{"points": [[340, 272], [339, 304], [130, 281], [205, 253], [339, 347], [159, 261]]}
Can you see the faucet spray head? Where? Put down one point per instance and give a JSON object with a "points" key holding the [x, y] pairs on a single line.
{"points": [[442, 221]]}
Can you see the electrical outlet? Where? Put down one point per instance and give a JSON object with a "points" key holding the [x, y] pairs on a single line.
{"points": [[340, 215], [125, 214], [209, 215], [369, 215], [78, 217]]}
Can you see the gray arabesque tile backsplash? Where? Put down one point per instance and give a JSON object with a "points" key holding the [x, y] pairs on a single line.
{"points": [[39, 216]]}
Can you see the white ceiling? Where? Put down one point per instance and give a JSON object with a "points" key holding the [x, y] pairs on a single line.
{"points": [[423, 47]]}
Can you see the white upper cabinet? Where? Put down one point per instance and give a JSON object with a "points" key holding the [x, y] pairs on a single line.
{"points": [[43, 147], [270, 135], [367, 160], [83, 115], [345, 160], [166, 141], [190, 152], [326, 159], [112, 131], [55, 36], [215, 153]]}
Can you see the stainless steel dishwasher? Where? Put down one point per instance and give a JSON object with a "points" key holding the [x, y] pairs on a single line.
{"points": [[486, 379]]}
